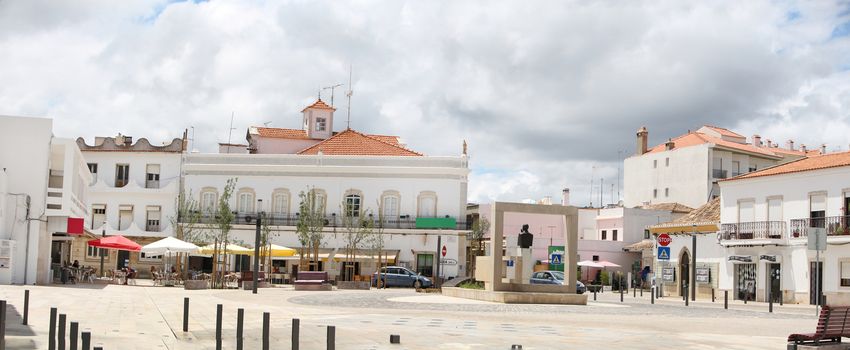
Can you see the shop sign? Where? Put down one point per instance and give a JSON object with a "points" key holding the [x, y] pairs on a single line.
{"points": [[769, 258], [445, 261], [703, 275], [668, 274], [741, 258]]}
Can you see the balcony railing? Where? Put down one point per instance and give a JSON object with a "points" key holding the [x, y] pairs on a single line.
{"points": [[753, 230], [152, 184], [834, 225], [403, 222], [718, 173]]}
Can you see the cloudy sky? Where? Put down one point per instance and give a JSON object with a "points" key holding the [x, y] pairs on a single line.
{"points": [[548, 94]]}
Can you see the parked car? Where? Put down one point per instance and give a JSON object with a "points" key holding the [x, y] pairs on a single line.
{"points": [[554, 277], [397, 276]]}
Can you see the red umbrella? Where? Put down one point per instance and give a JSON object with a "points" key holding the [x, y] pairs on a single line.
{"points": [[115, 242]]}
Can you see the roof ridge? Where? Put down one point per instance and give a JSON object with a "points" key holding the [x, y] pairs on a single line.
{"points": [[361, 134], [379, 140]]}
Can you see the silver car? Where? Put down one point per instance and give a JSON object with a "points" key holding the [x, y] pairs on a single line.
{"points": [[397, 276]]}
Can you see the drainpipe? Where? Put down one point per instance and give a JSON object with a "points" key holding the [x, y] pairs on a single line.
{"points": [[27, 247]]}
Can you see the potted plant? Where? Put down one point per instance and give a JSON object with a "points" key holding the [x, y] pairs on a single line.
{"points": [[796, 233]]}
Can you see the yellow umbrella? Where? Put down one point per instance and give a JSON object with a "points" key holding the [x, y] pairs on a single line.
{"points": [[278, 251], [231, 249]]}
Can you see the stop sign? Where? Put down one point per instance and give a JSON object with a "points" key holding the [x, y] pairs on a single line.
{"points": [[444, 251], [664, 239]]}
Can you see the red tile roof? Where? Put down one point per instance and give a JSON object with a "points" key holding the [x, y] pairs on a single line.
{"points": [[724, 131], [830, 160], [319, 104], [282, 133], [694, 138], [387, 138], [350, 142]]}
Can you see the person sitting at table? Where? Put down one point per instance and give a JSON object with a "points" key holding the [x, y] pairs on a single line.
{"points": [[76, 264], [173, 269], [153, 271], [131, 273]]}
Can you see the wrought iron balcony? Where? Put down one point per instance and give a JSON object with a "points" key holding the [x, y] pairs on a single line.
{"points": [[718, 173], [333, 220], [834, 225], [753, 230]]}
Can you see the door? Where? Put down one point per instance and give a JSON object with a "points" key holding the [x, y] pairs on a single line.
{"points": [[684, 273], [123, 259], [392, 277], [815, 281], [773, 278], [745, 281]]}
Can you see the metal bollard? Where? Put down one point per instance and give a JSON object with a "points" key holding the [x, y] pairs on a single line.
{"points": [[745, 299], [75, 327], [726, 299], [652, 296], [641, 291], [634, 292], [781, 296], [331, 337], [395, 339], [2, 325], [240, 317], [219, 309], [51, 343], [266, 317], [296, 323], [98, 348], [770, 303], [516, 347], [86, 340], [594, 295], [621, 293], [185, 314], [686, 296], [712, 295], [61, 328], [26, 307]]}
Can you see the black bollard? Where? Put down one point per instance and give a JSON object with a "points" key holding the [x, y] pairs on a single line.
{"points": [[634, 292], [745, 299], [331, 337], [219, 309], [594, 294], [51, 343], [86, 340], [781, 296], [75, 327], [712, 295], [770, 303], [652, 296], [395, 339], [185, 314], [296, 323], [61, 328], [686, 296], [2, 325], [26, 307], [726, 299], [266, 317], [621, 293], [641, 291], [98, 348], [240, 317]]}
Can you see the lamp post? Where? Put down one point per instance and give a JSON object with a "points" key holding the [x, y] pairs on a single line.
{"points": [[257, 245], [99, 250]]}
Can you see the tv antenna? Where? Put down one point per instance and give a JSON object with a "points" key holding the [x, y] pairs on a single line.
{"points": [[266, 124], [230, 132], [348, 94], [332, 87]]}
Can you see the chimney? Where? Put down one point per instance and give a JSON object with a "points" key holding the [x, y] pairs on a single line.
{"points": [[803, 148], [565, 197], [823, 149], [789, 144], [769, 143], [642, 139], [669, 144], [757, 140]]}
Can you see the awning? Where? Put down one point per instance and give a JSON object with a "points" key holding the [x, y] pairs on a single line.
{"points": [[636, 247], [170, 245], [770, 258], [115, 242], [684, 229], [276, 251], [231, 249], [389, 255], [741, 259]]}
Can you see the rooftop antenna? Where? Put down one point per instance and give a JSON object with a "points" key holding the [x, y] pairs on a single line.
{"points": [[266, 124], [332, 87], [349, 93], [193, 137], [230, 132]]}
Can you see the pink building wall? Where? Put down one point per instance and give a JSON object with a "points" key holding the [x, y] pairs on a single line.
{"points": [[546, 229]]}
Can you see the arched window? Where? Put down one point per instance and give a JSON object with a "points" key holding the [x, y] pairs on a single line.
{"points": [[246, 200], [353, 201], [209, 199], [390, 205], [427, 207], [321, 199], [280, 201]]}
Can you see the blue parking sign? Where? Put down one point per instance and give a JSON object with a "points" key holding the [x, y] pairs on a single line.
{"points": [[663, 253]]}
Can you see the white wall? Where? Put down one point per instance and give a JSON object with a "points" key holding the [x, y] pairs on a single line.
{"points": [[687, 177]]}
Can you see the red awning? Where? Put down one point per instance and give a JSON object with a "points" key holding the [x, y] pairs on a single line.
{"points": [[115, 242]]}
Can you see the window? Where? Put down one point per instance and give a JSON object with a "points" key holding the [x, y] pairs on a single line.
{"points": [[604, 235], [745, 211], [246, 201], [655, 193], [655, 163], [427, 205], [93, 171], [122, 175], [152, 176], [389, 205], [774, 209], [321, 124], [153, 219], [667, 161], [614, 235], [666, 192], [352, 205], [425, 264], [98, 215], [280, 201], [753, 168], [125, 216], [209, 197], [149, 258], [645, 234], [845, 273], [596, 258], [817, 210], [94, 252]]}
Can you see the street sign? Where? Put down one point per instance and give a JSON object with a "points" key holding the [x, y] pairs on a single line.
{"points": [[663, 253], [555, 259], [668, 274], [444, 251], [817, 238], [445, 261], [703, 275], [664, 239]]}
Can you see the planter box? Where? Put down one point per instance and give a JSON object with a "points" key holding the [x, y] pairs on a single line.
{"points": [[354, 285], [194, 285]]}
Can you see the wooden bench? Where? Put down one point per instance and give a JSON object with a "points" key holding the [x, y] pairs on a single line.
{"points": [[312, 280], [833, 323]]}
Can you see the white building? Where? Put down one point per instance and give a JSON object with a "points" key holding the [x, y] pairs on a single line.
{"points": [[766, 218], [133, 193], [685, 169], [44, 189], [422, 197]]}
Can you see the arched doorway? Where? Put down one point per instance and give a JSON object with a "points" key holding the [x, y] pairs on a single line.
{"points": [[684, 271]]}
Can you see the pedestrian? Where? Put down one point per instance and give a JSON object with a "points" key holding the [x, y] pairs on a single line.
{"points": [[644, 274]]}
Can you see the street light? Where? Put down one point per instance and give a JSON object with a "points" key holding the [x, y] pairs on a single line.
{"points": [[100, 250], [257, 245]]}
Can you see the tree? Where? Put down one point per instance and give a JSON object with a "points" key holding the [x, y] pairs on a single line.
{"points": [[480, 228], [311, 224], [266, 235], [375, 240], [357, 228], [223, 223], [187, 222]]}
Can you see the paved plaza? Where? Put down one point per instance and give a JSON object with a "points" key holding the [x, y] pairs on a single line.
{"points": [[140, 317]]}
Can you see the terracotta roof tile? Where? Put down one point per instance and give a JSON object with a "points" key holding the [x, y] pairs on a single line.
{"points": [[672, 207], [387, 138], [282, 133], [829, 160], [724, 131], [707, 214], [319, 104], [350, 142], [694, 138]]}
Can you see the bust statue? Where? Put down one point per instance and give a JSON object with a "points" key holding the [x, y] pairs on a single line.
{"points": [[525, 238]]}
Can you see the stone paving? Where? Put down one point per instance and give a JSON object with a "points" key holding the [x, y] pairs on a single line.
{"points": [[137, 317]]}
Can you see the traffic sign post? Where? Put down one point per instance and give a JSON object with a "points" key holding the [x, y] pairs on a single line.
{"points": [[664, 239], [817, 242], [663, 253]]}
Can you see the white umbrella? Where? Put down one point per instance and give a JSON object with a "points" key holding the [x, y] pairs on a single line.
{"points": [[167, 246], [588, 263]]}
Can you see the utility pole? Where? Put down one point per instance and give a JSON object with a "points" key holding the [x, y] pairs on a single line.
{"points": [[230, 132], [348, 94]]}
